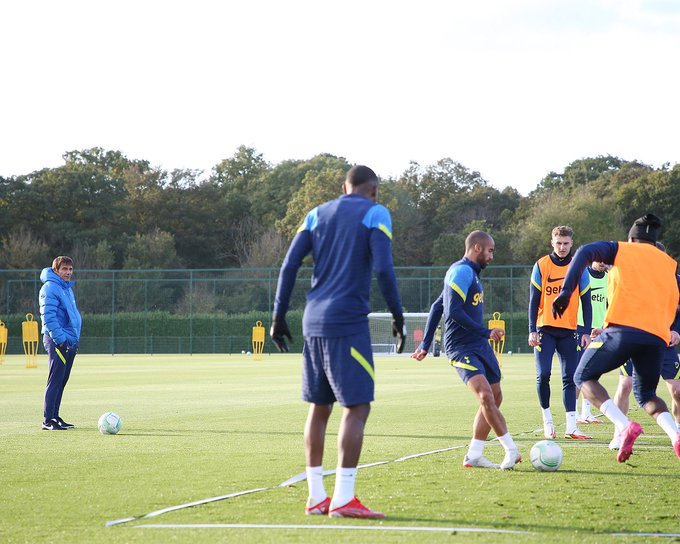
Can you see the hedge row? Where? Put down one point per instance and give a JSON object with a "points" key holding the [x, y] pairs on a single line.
{"points": [[167, 332], [166, 324]]}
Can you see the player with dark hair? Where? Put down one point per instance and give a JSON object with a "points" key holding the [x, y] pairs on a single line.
{"points": [[670, 373], [548, 334], [643, 300], [466, 342], [61, 336], [349, 239]]}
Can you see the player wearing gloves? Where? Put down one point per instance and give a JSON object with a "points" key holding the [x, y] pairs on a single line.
{"points": [[643, 299], [349, 238], [61, 335], [466, 342]]}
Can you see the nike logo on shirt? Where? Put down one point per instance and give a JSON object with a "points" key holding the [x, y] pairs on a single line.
{"points": [[550, 280], [596, 288]]}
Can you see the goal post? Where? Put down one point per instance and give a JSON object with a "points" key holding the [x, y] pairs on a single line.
{"points": [[382, 341]]}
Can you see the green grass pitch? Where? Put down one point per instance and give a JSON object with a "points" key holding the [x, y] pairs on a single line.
{"points": [[196, 427]]}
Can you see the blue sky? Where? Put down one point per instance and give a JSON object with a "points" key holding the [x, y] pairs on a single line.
{"points": [[513, 90]]}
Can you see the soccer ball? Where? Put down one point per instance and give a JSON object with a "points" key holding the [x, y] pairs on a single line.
{"points": [[109, 423], [248, 353], [243, 352], [546, 456]]}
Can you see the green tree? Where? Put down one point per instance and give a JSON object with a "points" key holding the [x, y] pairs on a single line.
{"points": [[318, 186], [277, 186], [592, 214], [580, 172], [97, 256], [409, 226], [23, 249], [82, 201], [153, 250], [241, 171], [653, 191]]}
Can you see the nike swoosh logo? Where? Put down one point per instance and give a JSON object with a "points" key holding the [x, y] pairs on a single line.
{"points": [[596, 288], [550, 280]]}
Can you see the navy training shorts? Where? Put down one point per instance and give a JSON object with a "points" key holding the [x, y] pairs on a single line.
{"points": [[478, 361], [617, 344], [338, 369]]}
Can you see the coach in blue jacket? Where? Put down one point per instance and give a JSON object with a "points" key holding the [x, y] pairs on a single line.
{"points": [[61, 335]]}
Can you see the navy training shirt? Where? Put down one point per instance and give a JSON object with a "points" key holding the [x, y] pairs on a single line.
{"points": [[349, 239], [463, 304]]}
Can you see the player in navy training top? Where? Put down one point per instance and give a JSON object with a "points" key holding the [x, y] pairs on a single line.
{"points": [[639, 324], [466, 342], [349, 239], [548, 334]]}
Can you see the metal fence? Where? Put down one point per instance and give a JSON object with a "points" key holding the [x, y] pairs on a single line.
{"points": [[138, 311]]}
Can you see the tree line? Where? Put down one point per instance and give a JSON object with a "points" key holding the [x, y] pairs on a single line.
{"points": [[111, 212]]}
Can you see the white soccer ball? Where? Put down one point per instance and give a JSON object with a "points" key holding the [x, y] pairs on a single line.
{"points": [[243, 352], [248, 353], [546, 456], [109, 423]]}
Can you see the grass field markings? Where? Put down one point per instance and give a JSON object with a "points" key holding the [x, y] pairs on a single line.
{"points": [[185, 505], [293, 480], [332, 527], [666, 535]]}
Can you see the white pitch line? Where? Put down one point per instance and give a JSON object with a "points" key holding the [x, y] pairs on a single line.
{"points": [[329, 527], [303, 475], [370, 528], [293, 480], [185, 505], [667, 535]]}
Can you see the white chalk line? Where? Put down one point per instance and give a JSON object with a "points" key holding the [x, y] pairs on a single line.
{"points": [[293, 480], [666, 535], [372, 528], [329, 527]]}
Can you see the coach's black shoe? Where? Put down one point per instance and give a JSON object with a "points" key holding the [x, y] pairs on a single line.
{"points": [[65, 425], [52, 425]]}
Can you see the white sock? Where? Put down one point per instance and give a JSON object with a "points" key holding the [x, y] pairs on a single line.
{"points": [[476, 448], [507, 442], [344, 486], [666, 422], [585, 408], [614, 414], [317, 492], [571, 423], [547, 416]]}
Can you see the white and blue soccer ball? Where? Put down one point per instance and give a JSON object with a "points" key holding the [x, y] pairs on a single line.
{"points": [[109, 423], [546, 456]]}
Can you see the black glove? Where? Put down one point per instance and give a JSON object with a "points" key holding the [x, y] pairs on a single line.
{"points": [[560, 304], [278, 332], [399, 331]]}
